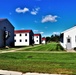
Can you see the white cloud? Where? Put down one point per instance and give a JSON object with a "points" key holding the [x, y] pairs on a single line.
{"points": [[49, 18], [19, 10], [41, 32], [57, 33], [35, 11], [36, 31]]}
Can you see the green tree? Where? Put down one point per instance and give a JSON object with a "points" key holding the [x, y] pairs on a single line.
{"points": [[55, 38], [48, 39]]}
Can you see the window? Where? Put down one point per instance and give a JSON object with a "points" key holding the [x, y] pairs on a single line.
{"points": [[25, 34], [25, 40], [68, 40], [20, 40], [37, 36], [4, 27], [20, 34], [37, 40], [14, 40], [14, 34]]}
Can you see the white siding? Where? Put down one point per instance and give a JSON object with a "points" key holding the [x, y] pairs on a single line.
{"points": [[71, 33], [23, 38], [36, 40], [43, 42]]}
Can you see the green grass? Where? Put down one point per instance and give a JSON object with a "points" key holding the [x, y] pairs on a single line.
{"points": [[63, 63], [6, 49], [47, 47], [12, 48]]}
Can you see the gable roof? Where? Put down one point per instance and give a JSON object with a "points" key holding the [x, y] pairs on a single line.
{"points": [[5, 19], [22, 31], [2, 19], [69, 29], [44, 38], [37, 34]]}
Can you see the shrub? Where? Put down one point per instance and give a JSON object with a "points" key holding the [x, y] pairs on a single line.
{"points": [[59, 47]]}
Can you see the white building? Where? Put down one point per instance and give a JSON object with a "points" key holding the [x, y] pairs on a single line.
{"points": [[6, 33], [37, 38], [68, 38], [43, 40], [23, 37]]}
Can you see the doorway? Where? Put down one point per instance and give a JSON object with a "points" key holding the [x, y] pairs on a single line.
{"points": [[68, 45]]}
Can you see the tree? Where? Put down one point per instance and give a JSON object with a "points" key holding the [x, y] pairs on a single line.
{"points": [[55, 38], [48, 39]]}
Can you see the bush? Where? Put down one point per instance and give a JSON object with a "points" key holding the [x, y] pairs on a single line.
{"points": [[59, 47]]}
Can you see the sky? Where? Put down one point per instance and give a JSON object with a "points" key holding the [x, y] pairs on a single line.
{"points": [[42, 16]]}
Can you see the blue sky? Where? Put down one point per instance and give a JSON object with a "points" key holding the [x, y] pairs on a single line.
{"points": [[42, 16]]}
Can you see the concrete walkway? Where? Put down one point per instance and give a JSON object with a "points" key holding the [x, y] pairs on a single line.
{"points": [[39, 74], [5, 72], [7, 51], [71, 51]]}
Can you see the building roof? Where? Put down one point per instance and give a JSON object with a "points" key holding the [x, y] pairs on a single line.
{"points": [[2, 19], [37, 34], [69, 29], [44, 38], [22, 31], [5, 19]]}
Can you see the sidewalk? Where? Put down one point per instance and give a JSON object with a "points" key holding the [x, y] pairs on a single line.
{"points": [[5, 72], [71, 51], [14, 50]]}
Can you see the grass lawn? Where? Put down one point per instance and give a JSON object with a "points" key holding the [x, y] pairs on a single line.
{"points": [[6, 49], [64, 63], [47, 47], [12, 48]]}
